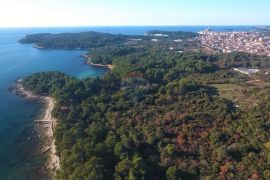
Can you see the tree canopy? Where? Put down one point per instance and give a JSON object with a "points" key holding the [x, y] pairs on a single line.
{"points": [[156, 115]]}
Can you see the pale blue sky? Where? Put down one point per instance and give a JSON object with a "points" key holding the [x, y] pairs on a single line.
{"points": [[36, 13]]}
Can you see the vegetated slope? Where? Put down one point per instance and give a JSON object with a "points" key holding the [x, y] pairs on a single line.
{"points": [[88, 40], [84, 40], [155, 117]]}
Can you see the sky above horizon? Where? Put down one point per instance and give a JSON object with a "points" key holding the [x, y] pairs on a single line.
{"points": [[55, 13]]}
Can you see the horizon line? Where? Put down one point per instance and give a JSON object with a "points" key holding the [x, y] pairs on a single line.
{"points": [[93, 26]]}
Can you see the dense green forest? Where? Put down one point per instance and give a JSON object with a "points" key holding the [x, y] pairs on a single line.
{"points": [[89, 40], [84, 40], [156, 116]]}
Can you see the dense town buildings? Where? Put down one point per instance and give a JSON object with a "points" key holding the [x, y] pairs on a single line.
{"points": [[226, 42]]}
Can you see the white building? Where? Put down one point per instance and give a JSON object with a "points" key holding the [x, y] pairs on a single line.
{"points": [[246, 71]]}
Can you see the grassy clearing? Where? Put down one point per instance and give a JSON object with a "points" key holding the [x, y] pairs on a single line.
{"points": [[244, 95]]}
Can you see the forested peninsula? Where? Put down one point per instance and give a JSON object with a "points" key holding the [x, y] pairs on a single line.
{"points": [[167, 110]]}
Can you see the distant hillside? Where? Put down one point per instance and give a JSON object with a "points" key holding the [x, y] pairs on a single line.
{"points": [[173, 34], [89, 40], [83, 40]]}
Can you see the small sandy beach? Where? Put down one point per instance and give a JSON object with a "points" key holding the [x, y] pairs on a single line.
{"points": [[109, 66], [88, 61]]}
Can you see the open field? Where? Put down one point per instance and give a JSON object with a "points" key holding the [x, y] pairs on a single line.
{"points": [[243, 95]]}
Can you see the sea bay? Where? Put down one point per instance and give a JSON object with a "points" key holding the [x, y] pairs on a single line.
{"points": [[16, 113]]}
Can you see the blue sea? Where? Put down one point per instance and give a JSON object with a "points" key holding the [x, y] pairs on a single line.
{"points": [[21, 60]]}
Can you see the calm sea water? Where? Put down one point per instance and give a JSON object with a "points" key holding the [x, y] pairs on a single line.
{"points": [[20, 60]]}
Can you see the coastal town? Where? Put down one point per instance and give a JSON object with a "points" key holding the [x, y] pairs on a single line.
{"points": [[226, 42]]}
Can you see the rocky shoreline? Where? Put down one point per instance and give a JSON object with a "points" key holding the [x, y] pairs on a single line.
{"points": [[38, 47], [45, 127]]}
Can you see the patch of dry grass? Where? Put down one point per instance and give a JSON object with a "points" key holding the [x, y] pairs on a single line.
{"points": [[244, 95]]}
